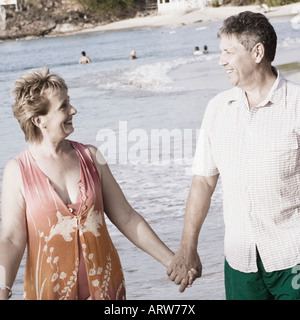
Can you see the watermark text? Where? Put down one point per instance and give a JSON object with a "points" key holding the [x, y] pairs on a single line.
{"points": [[138, 146]]}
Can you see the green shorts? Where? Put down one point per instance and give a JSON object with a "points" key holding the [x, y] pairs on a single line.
{"points": [[262, 285]]}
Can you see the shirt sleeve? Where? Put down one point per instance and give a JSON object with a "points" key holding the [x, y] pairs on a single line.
{"points": [[203, 163]]}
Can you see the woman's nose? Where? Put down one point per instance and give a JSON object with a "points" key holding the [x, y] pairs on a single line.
{"points": [[73, 111]]}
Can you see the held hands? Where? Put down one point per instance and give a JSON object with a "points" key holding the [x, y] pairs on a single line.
{"points": [[184, 268]]}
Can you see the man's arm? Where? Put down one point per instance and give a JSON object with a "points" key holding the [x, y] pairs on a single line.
{"points": [[197, 207]]}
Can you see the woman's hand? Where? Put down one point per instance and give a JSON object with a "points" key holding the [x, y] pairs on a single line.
{"points": [[184, 268]]}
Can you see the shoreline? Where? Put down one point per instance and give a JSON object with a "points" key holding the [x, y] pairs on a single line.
{"points": [[181, 19], [172, 20]]}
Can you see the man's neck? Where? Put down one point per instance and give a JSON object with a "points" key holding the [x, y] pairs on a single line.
{"points": [[262, 84]]}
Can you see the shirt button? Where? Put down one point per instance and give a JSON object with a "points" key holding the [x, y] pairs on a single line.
{"points": [[83, 207]]}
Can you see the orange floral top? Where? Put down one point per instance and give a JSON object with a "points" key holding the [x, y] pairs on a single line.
{"points": [[55, 235]]}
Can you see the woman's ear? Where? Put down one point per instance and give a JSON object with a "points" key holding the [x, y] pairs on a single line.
{"points": [[37, 121], [259, 52]]}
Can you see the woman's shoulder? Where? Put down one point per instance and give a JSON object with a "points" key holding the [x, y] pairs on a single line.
{"points": [[96, 154], [12, 165], [12, 172], [92, 151]]}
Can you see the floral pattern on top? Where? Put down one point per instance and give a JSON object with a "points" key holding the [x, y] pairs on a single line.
{"points": [[55, 235]]}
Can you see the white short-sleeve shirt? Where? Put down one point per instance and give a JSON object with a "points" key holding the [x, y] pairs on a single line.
{"points": [[257, 154]]}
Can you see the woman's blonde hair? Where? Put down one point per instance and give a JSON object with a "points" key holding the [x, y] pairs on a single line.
{"points": [[30, 98]]}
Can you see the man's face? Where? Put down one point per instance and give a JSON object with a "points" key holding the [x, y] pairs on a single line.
{"points": [[238, 62]]}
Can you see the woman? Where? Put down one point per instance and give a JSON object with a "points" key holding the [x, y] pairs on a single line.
{"points": [[53, 200]]}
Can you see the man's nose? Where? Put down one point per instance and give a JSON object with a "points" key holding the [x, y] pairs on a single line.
{"points": [[222, 61]]}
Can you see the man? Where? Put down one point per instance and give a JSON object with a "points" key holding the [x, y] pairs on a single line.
{"points": [[197, 51], [250, 136], [133, 54], [84, 58]]}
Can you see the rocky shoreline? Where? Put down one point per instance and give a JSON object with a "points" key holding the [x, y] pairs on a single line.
{"points": [[50, 18]]}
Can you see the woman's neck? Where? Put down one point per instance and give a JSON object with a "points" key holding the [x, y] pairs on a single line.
{"points": [[49, 148]]}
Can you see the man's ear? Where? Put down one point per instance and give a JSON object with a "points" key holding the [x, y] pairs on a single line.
{"points": [[37, 121], [258, 52]]}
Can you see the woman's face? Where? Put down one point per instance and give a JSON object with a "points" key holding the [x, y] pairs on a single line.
{"points": [[57, 123]]}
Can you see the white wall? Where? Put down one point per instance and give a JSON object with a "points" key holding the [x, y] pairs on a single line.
{"points": [[167, 6]]}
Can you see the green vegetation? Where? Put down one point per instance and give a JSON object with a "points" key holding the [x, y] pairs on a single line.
{"points": [[100, 5], [116, 7], [113, 7], [111, 10], [289, 67], [103, 9], [275, 3]]}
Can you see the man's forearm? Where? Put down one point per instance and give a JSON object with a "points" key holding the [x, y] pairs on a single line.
{"points": [[197, 207]]}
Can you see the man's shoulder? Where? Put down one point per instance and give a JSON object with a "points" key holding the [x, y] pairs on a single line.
{"points": [[223, 98], [293, 85], [220, 102], [292, 93], [229, 93]]}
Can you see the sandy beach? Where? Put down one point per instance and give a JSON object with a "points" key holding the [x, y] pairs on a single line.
{"points": [[180, 19]]}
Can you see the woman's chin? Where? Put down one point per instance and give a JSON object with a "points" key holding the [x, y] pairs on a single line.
{"points": [[68, 128]]}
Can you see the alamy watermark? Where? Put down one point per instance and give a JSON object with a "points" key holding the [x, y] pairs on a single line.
{"points": [[138, 146]]}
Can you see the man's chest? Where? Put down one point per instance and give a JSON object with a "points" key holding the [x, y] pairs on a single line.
{"points": [[266, 138]]}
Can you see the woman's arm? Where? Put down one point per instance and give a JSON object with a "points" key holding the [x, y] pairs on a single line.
{"points": [[13, 237], [125, 218]]}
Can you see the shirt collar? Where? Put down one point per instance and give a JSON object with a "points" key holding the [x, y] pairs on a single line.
{"points": [[277, 94]]}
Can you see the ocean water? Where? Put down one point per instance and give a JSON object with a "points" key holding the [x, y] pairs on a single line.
{"points": [[144, 115]]}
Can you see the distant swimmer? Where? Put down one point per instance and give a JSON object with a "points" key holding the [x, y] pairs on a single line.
{"points": [[205, 49], [84, 58], [197, 51], [133, 55]]}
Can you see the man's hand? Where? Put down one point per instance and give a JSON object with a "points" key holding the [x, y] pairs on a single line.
{"points": [[184, 268]]}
